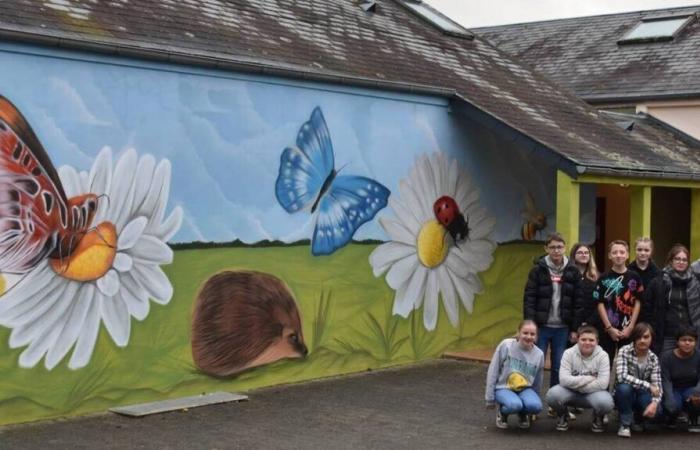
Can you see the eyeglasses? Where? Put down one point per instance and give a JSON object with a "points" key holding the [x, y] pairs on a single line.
{"points": [[680, 260], [556, 247], [583, 252]]}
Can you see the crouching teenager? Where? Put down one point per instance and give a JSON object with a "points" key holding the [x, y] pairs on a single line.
{"points": [[514, 378], [638, 390], [584, 376]]}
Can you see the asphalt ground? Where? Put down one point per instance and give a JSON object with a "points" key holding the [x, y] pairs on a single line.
{"points": [[438, 404]]}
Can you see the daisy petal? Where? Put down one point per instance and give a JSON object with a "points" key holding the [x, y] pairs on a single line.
{"points": [[70, 331], [142, 181], [386, 254], [70, 179], [108, 284], [116, 319], [156, 283], [123, 262], [466, 294], [135, 298], [401, 271], [402, 307], [412, 202], [122, 194], [151, 250], [416, 287], [171, 225], [431, 289], [131, 233], [88, 333], [397, 232], [430, 308], [448, 295]]}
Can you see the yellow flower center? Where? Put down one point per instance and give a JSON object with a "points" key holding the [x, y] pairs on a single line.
{"points": [[432, 244], [93, 256]]}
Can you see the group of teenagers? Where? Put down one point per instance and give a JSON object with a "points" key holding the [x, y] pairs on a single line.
{"points": [[626, 339]]}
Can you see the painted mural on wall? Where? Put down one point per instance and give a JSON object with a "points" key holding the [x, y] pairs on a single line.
{"points": [[308, 181], [349, 230], [88, 246], [245, 319], [425, 259]]}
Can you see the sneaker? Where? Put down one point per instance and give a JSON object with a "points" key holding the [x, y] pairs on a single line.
{"points": [[550, 412], [524, 421], [501, 420], [624, 431], [606, 419], [571, 414], [597, 425], [637, 427], [562, 422], [693, 425]]}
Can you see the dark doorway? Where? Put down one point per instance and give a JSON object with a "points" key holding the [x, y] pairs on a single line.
{"points": [[670, 220]]}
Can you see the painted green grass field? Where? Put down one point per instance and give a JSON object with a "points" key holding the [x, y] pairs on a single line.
{"points": [[347, 321]]}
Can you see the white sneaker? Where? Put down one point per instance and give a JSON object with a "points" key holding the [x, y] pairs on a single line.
{"points": [[524, 421], [501, 421], [624, 431]]}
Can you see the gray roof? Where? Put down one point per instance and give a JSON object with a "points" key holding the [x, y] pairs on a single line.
{"points": [[336, 40], [583, 54]]}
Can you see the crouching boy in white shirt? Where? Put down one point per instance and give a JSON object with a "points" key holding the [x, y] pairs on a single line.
{"points": [[583, 381]]}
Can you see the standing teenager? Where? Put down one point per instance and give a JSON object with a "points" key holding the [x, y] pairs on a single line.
{"points": [[638, 390], [586, 308], [583, 381], [514, 377], [673, 300], [549, 300], [680, 375], [643, 264], [618, 293]]}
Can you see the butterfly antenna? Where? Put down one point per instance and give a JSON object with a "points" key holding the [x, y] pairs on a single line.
{"points": [[104, 240], [104, 196]]}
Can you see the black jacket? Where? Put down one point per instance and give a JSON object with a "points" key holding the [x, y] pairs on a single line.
{"points": [[538, 294], [585, 306], [657, 297]]}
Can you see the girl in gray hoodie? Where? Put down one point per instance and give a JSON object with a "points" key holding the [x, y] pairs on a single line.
{"points": [[514, 377]]}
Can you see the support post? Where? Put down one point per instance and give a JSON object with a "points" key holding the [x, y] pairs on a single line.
{"points": [[695, 222], [640, 214], [568, 205]]}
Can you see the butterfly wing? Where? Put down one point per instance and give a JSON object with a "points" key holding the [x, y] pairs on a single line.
{"points": [[32, 199], [304, 168], [350, 202]]}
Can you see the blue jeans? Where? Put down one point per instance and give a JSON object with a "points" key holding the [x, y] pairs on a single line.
{"points": [[631, 401], [558, 338], [524, 402], [678, 400]]}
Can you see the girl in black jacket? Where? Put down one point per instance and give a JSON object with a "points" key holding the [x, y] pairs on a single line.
{"points": [[585, 307], [673, 299]]}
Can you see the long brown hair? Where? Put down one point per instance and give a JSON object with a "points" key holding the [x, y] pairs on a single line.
{"points": [[675, 250], [591, 271]]}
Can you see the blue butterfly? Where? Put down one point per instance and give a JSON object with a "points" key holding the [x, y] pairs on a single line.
{"points": [[308, 180]]}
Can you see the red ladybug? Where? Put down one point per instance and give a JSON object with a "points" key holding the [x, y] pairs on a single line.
{"points": [[448, 214]]}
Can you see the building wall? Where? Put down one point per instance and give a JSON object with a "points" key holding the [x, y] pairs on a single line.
{"points": [[223, 253], [684, 115]]}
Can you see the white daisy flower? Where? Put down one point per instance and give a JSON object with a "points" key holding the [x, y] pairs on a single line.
{"points": [[112, 274], [422, 259]]}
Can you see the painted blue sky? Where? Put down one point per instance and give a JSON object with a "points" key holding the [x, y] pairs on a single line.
{"points": [[224, 137]]}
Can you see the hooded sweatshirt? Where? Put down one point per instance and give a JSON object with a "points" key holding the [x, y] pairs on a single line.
{"points": [[515, 368], [556, 273], [585, 374]]}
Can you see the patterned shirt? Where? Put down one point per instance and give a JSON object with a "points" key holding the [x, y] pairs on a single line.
{"points": [[629, 371]]}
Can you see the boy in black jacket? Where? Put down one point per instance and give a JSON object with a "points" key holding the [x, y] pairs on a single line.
{"points": [[549, 300]]}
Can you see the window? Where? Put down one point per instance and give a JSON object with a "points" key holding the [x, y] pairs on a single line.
{"points": [[656, 29], [436, 18]]}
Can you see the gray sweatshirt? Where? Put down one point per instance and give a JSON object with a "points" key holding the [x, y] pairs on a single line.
{"points": [[585, 375], [513, 367], [556, 272]]}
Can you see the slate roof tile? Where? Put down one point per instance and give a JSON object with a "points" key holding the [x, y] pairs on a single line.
{"points": [[337, 40]]}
